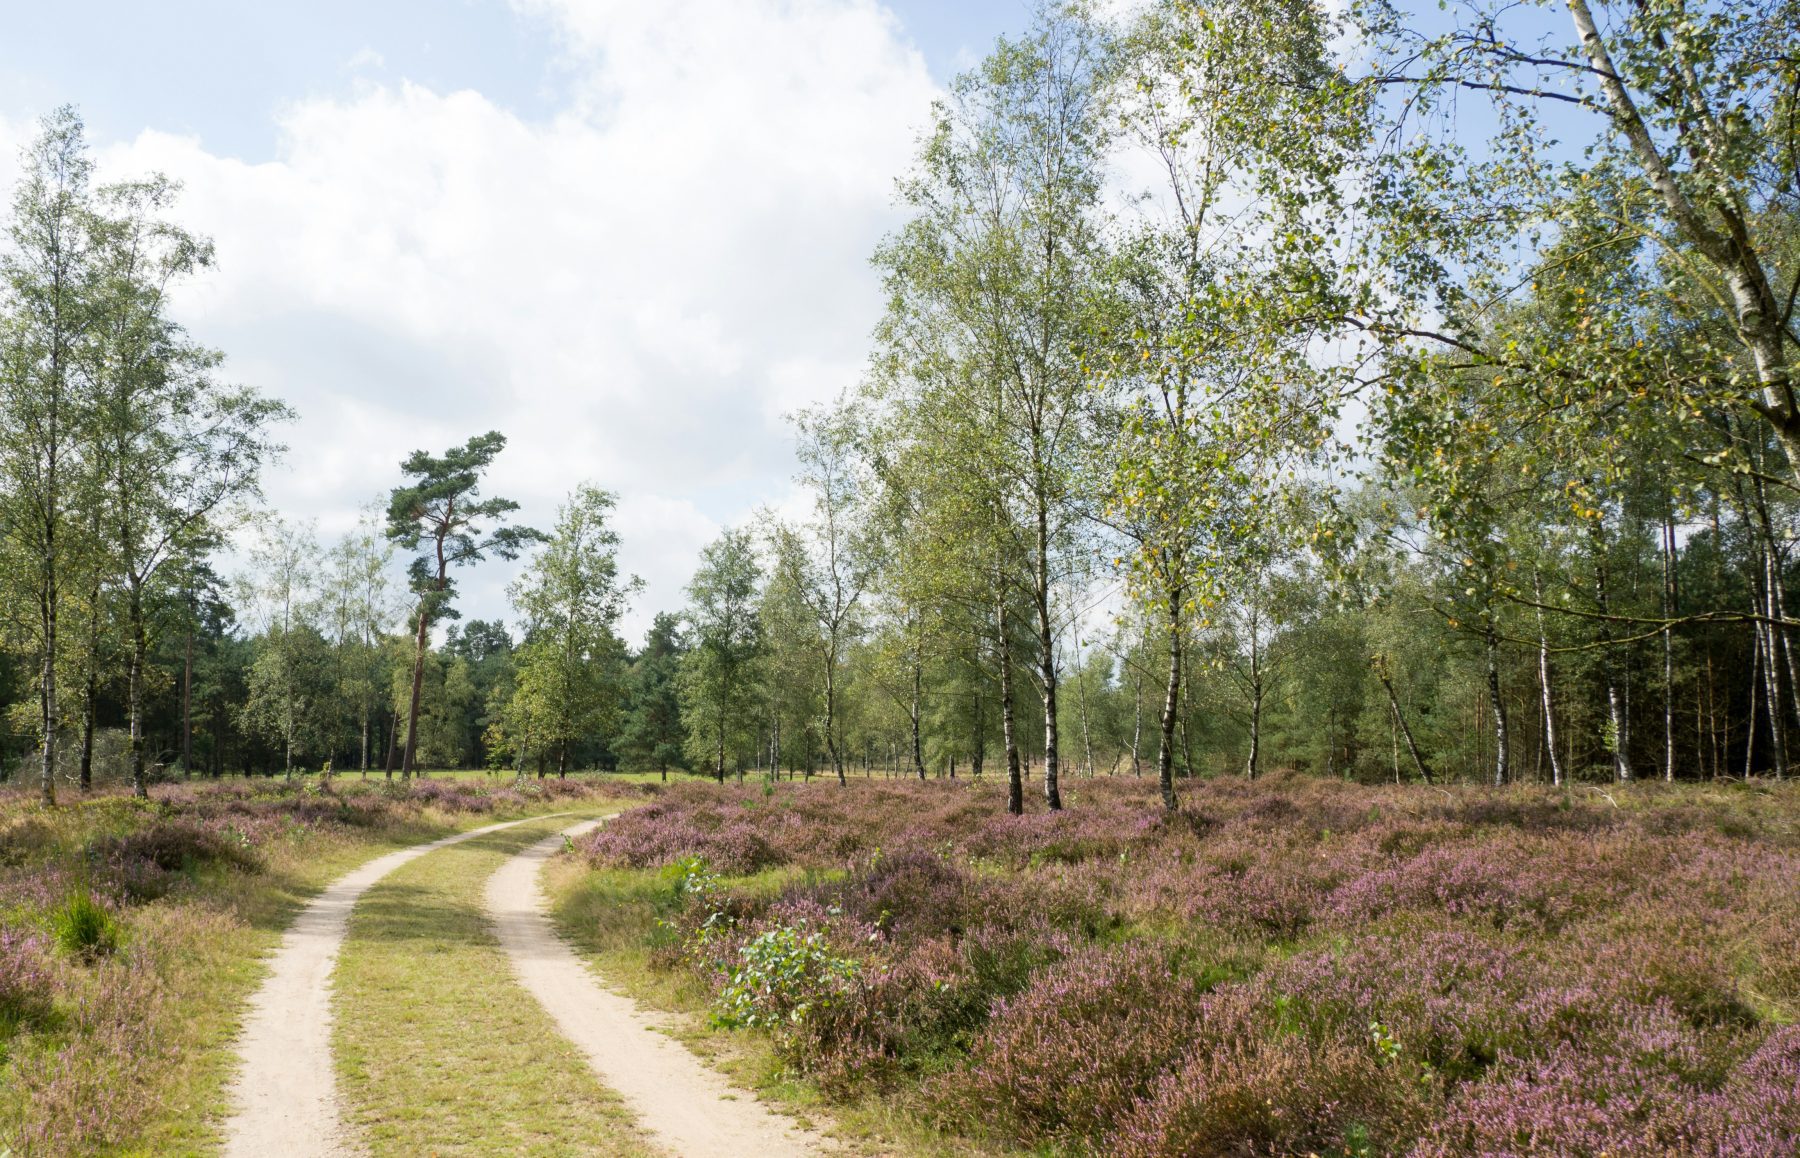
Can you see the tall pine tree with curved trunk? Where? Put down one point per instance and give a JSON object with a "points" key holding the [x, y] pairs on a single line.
{"points": [[442, 514]]}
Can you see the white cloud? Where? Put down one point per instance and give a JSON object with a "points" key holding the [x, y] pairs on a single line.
{"points": [[634, 290]]}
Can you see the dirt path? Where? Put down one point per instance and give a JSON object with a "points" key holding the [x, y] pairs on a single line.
{"points": [[687, 1107], [284, 1099]]}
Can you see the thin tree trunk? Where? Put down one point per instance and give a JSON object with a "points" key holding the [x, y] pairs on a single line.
{"points": [[918, 681], [1394, 737], [978, 749], [1616, 708], [90, 697], [1771, 671], [134, 695], [1750, 732], [1712, 713], [1137, 720], [1087, 739], [1778, 751], [1502, 740], [1015, 780], [393, 742], [47, 689], [1556, 764], [1412, 746], [90, 692], [831, 744], [1253, 764], [1165, 755], [1047, 661], [1187, 747], [418, 688], [1668, 641], [1776, 601], [187, 713]]}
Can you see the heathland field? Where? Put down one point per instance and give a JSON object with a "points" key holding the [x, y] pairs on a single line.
{"points": [[1286, 966], [1281, 967]]}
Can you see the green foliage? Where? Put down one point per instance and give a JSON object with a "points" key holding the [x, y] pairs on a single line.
{"points": [[571, 664], [718, 677], [652, 737], [787, 974]]}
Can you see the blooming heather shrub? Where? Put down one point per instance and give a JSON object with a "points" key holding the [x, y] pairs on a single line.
{"points": [[1758, 1111], [911, 1016], [662, 833], [91, 1092], [1258, 882], [909, 895], [1239, 1093], [25, 982], [916, 1012], [1449, 998], [1673, 962], [1508, 879], [1071, 1054], [1573, 1102], [178, 845]]}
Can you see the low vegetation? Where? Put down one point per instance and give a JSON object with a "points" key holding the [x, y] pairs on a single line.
{"points": [[131, 930], [1290, 966]]}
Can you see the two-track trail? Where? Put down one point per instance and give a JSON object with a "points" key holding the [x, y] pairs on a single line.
{"points": [[687, 1107], [284, 1098]]}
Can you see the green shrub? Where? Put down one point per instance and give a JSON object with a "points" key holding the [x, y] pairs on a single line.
{"points": [[786, 975], [83, 929]]}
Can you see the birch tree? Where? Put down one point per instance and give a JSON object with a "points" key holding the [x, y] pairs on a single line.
{"points": [[46, 277], [172, 447], [1000, 259]]}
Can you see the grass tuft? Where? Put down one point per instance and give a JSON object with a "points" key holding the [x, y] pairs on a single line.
{"points": [[81, 928]]}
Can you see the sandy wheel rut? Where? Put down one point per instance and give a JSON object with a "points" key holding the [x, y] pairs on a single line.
{"points": [[686, 1106]]}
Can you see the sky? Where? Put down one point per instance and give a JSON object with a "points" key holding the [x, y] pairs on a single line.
{"points": [[631, 236]]}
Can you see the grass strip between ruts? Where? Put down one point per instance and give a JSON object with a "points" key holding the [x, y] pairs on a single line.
{"points": [[438, 1048]]}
